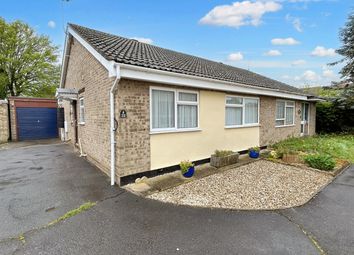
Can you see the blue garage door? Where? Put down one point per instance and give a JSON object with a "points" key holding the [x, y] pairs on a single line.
{"points": [[36, 123]]}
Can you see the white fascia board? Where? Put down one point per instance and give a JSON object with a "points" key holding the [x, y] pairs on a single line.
{"points": [[109, 65], [164, 77], [64, 61]]}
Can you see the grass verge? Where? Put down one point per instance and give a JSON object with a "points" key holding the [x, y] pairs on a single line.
{"points": [[339, 146]]}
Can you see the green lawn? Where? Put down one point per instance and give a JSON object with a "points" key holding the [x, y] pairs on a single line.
{"points": [[339, 146]]}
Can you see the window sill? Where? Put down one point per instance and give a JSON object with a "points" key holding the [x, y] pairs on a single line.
{"points": [[175, 131], [81, 123], [243, 126], [293, 125]]}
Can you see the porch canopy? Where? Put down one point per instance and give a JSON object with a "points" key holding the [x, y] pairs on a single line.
{"points": [[66, 94]]}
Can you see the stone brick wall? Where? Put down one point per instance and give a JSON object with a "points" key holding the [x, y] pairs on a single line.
{"points": [[4, 122], [270, 134], [84, 71], [133, 141]]}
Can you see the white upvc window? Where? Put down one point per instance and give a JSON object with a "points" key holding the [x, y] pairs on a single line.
{"points": [[241, 111], [81, 111], [285, 113], [173, 110]]}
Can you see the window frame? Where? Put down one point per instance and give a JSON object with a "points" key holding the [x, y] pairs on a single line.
{"points": [[177, 102], [285, 111], [81, 107], [243, 106]]}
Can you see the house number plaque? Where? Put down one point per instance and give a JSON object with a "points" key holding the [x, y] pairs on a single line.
{"points": [[123, 114]]}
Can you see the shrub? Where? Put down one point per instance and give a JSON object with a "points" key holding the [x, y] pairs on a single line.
{"points": [[275, 154], [329, 117], [223, 153], [255, 148], [322, 162], [185, 165]]}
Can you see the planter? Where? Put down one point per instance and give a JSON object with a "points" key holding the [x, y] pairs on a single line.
{"points": [[189, 173], [292, 158], [253, 154], [224, 161]]}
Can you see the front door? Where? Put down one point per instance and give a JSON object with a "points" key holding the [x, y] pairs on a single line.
{"points": [[305, 107]]}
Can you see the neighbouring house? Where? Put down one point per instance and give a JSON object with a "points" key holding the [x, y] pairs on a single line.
{"points": [[135, 108]]}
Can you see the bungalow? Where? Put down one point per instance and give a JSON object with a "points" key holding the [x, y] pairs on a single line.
{"points": [[136, 109]]}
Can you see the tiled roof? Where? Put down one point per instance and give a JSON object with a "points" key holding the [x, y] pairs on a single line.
{"points": [[132, 52]]}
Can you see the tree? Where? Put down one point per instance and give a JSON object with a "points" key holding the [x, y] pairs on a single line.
{"points": [[28, 62], [346, 36]]}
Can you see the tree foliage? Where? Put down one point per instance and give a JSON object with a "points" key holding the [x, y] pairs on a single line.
{"points": [[336, 114], [28, 62], [347, 50]]}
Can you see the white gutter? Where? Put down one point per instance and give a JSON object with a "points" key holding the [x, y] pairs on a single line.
{"points": [[112, 114]]}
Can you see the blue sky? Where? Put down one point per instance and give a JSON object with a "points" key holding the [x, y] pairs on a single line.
{"points": [[288, 40]]}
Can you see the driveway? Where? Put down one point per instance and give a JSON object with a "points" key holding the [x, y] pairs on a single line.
{"points": [[40, 183]]}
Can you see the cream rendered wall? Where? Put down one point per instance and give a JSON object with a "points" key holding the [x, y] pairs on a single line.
{"points": [[169, 149]]}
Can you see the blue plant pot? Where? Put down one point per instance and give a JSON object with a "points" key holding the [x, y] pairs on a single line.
{"points": [[189, 173], [253, 154]]}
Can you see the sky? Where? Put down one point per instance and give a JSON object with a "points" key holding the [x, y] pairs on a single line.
{"points": [[288, 40]]}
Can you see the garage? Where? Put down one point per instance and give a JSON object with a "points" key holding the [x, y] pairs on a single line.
{"points": [[33, 118]]}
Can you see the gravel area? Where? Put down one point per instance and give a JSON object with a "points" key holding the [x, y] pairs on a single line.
{"points": [[259, 185]]}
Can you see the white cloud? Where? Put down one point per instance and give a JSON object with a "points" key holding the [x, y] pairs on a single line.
{"points": [[328, 73], [298, 62], [237, 56], [240, 13], [295, 21], [308, 76], [297, 24], [284, 41], [272, 53], [51, 24], [311, 76], [143, 40], [303, 1], [321, 51]]}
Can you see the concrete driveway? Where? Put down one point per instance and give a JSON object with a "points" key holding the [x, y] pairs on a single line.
{"points": [[40, 183]]}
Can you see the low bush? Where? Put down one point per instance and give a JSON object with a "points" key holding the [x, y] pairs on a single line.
{"points": [[223, 153], [255, 148], [320, 161], [185, 165]]}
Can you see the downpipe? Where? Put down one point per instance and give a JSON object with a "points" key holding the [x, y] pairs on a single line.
{"points": [[112, 125]]}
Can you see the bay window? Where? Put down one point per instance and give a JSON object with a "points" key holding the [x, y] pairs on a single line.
{"points": [[285, 113], [241, 111], [173, 109]]}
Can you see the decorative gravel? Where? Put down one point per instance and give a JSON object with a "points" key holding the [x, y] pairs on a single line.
{"points": [[259, 185]]}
